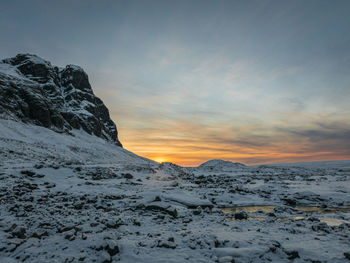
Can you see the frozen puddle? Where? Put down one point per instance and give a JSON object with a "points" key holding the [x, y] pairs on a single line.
{"points": [[263, 209]]}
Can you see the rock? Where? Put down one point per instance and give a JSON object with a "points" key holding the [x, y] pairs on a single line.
{"points": [[78, 205], [113, 224], [11, 228], [313, 219], [66, 228], [111, 247], [226, 259], [39, 233], [347, 255], [57, 98], [157, 199], [166, 244], [38, 166], [28, 173], [128, 176], [137, 223], [241, 215], [69, 235], [197, 212], [292, 254], [320, 227], [108, 249], [163, 207], [290, 201], [19, 232]]}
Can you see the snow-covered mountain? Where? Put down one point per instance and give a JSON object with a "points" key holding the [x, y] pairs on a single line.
{"points": [[219, 165], [32, 90]]}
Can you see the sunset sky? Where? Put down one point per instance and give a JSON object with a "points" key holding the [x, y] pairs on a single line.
{"points": [[188, 81]]}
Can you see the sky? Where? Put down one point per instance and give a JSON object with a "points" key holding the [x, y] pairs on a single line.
{"points": [[188, 81]]}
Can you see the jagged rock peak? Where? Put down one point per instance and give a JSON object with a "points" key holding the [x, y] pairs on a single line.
{"points": [[33, 90]]}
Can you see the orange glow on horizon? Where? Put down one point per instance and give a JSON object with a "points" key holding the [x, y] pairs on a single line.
{"points": [[191, 143], [191, 155], [159, 159]]}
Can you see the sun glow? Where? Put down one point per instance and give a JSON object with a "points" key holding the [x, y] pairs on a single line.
{"points": [[160, 159]]}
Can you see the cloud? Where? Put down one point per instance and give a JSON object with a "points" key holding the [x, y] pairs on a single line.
{"points": [[192, 141]]}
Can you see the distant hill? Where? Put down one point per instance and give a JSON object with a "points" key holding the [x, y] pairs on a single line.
{"points": [[219, 165]]}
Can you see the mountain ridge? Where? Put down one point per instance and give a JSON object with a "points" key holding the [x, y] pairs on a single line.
{"points": [[62, 99]]}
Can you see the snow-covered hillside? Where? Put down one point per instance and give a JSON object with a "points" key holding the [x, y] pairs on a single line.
{"points": [[23, 143]]}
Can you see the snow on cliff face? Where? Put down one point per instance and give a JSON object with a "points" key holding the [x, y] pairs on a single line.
{"points": [[32, 90]]}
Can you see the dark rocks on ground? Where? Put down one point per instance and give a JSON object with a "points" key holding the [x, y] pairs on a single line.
{"points": [[39, 233], [197, 212], [28, 173], [114, 223], [166, 244], [111, 247], [128, 176], [162, 207], [347, 255], [65, 228], [19, 232], [290, 201], [241, 215], [321, 227], [11, 228], [70, 235], [271, 214], [292, 254], [157, 199], [38, 166]]}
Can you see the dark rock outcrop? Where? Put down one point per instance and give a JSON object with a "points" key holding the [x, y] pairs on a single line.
{"points": [[32, 90]]}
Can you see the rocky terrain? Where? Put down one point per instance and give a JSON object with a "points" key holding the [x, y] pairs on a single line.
{"points": [[73, 195]]}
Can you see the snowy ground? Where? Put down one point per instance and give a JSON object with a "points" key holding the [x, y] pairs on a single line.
{"points": [[80, 199]]}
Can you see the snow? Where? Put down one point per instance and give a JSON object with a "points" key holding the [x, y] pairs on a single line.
{"points": [[9, 70], [80, 147], [74, 67], [36, 60], [79, 198], [187, 200]]}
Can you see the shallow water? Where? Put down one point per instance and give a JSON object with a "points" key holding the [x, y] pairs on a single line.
{"points": [[305, 209], [249, 209], [270, 208]]}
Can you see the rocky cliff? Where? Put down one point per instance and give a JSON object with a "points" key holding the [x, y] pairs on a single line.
{"points": [[32, 90]]}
